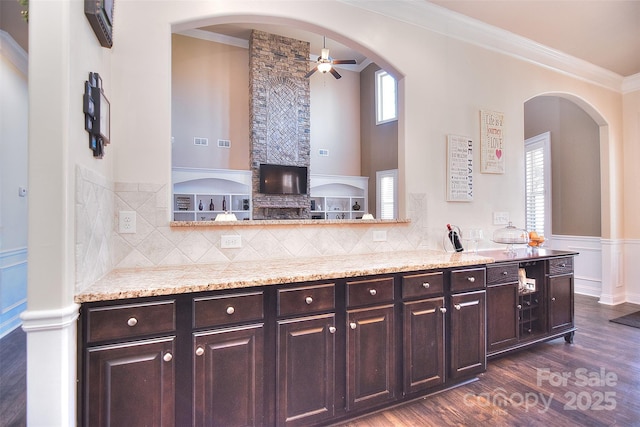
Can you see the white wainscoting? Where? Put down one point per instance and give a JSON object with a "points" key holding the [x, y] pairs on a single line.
{"points": [[631, 276], [588, 264], [13, 288]]}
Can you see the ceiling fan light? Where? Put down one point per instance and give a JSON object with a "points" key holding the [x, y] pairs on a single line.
{"points": [[324, 67]]}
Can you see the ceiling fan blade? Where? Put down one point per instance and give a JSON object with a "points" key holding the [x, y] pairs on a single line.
{"points": [[344, 61], [335, 73], [310, 73]]}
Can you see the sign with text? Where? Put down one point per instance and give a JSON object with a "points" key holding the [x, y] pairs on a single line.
{"points": [[459, 169], [491, 142]]}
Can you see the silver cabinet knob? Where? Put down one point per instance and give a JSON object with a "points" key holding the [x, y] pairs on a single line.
{"points": [[167, 357], [457, 306], [553, 299], [426, 285], [519, 306], [373, 292], [505, 273], [332, 329], [563, 265], [199, 351], [308, 300], [132, 321], [230, 310], [471, 279], [353, 325], [443, 310]]}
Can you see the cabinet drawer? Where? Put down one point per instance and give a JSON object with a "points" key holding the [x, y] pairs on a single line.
{"points": [[130, 320], [309, 299], [424, 284], [366, 292], [464, 280], [502, 273], [560, 266], [225, 309]]}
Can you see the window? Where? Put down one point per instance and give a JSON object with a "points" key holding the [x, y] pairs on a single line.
{"points": [[386, 97], [538, 184], [387, 194]]}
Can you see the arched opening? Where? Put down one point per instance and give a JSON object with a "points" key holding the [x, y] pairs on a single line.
{"points": [[578, 136]]}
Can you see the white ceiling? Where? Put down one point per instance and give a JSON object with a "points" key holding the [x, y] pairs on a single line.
{"points": [[605, 33]]}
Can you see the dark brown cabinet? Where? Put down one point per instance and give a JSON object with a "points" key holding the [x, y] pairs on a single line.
{"points": [[227, 377], [502, 305], [130, 383], [560, 300], [305, 355], [543, 308], [468, 339], [371, 378], [314, 353], [423, 350], [228, 359]]}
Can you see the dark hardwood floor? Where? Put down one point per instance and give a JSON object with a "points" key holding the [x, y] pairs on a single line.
{"points": [[13, 379], [601, 388]]}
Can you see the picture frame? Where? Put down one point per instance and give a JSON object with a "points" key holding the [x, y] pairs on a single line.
{"points": [[99, 13], [97, 115]]}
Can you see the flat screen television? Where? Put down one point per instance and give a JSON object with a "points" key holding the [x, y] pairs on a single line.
{"points": [[281, 179]]}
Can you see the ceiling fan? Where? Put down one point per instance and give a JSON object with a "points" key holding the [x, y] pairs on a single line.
{"points": [[325, 63]]}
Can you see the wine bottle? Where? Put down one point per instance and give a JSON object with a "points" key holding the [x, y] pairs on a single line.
{"points": [[224, 204], [200, 207], [455, 239], [211, 206]]}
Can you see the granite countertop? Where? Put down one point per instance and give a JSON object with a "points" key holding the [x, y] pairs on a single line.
{"points": [[144, 282]]}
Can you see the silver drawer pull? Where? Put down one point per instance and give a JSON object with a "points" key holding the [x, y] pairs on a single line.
{"points": [[519, 306], [132, 321], [426, 285], [332, 329], [505, 273], [443, 309], [373, 292], [553, 299], [167, 357], [308, 300], [230, 310], [563, 265], [199, 351], [471, 279], [457, 306], [353, 325]]}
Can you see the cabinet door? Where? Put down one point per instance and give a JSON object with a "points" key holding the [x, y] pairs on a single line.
{"points": [[560, 302], [131, 384], [228, 377], [468, 341], [424, 361], [371, 377], [502, 316], [306, 370]]}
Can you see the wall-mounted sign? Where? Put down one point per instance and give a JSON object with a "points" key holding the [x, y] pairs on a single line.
{"points": [[459, 169], [491, 142]]}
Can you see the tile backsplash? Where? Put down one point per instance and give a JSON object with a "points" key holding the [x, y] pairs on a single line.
{"points": [[100, 248]]}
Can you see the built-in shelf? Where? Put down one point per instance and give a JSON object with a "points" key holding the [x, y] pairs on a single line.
{"points": [[202, 194], [337, 197]]}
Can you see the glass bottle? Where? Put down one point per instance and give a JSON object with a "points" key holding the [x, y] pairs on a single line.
{"points": [[211, 206], [224, 204]]}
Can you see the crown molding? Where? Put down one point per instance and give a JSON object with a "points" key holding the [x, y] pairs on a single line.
{"points": [[11, 50], [215, 37], [452, 24], [631, 84]]}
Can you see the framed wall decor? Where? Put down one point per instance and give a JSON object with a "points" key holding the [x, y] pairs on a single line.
{"points": [[97, 115], [491, 142], [459, 169], [100, 16]]}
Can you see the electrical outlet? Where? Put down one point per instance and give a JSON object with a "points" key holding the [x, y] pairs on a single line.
{"points": [[127, 222], [379, 235], [500, 218], [231, 241]]}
